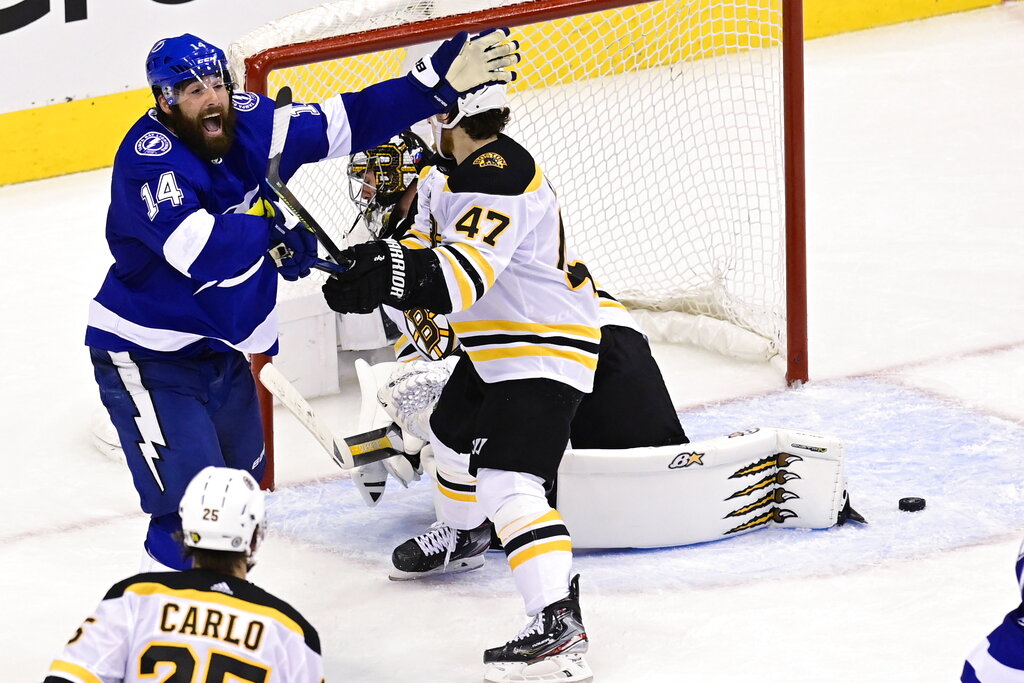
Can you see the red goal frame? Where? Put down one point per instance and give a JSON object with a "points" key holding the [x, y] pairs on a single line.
{"points": [[259, 66]]}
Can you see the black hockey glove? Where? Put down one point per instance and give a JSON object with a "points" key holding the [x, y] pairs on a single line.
{"points": [[381, 272]]}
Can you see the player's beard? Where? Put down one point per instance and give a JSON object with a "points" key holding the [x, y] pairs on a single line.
{"points": [[193, 133]]}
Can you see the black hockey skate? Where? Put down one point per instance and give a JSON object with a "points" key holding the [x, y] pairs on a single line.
{"points": [[441, 549], [550, 647]]}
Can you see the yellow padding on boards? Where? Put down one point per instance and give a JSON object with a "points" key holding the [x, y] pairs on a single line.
{"points": [[84, 134], [827, 17], [68, 137]]}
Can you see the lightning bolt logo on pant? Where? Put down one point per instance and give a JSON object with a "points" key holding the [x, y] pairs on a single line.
{"points": [[146, 421]]}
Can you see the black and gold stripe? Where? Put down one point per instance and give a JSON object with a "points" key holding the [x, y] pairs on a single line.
{"points": [[487, 340], [546, 534], [465, 493]]}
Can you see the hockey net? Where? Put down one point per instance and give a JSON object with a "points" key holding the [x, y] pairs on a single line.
{"points": [[671, 130]]}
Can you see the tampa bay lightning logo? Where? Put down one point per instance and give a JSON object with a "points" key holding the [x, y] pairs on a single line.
{"points": [[245, 101], [153, 144]]}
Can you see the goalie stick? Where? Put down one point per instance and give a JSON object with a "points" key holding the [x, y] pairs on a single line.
{"points": [[377, 448], [282, 119]]}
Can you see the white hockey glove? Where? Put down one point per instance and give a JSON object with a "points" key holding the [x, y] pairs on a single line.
{"points": [[412, 391], [462, 63]]}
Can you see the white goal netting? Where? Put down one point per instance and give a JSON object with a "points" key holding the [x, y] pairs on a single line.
{"points": [[660, 125]]}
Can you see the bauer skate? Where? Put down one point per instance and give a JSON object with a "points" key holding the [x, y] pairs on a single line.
{"points": [[441, 549], [549, 648]]}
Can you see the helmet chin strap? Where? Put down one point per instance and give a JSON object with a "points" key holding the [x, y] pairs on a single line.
{"points": [[436, 129]]}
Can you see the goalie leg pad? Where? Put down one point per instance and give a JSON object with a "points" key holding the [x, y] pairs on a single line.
{"points": [[370, 481], [702, 491]]}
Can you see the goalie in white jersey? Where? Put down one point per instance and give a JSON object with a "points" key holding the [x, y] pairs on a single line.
{"points": [[526, 314], [207, 623]]}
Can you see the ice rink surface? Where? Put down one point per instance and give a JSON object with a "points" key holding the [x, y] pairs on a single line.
{"points": [[915, 160]]}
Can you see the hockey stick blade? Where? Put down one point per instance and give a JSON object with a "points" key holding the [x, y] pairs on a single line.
{"points": [[376, 444], [291, 399], [279, 133]]}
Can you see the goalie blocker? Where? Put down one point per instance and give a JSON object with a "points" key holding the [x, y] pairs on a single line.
{"points": [[704, 490]]}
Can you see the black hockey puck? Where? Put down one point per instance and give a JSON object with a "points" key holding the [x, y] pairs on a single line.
{"points": [[911, 504]]}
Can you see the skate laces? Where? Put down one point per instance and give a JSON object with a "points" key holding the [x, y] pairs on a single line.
{"points": [[535, 627], [439, 538]]}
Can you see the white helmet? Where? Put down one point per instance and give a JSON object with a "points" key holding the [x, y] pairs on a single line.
{"points": [[223, 509], [493, 96]]}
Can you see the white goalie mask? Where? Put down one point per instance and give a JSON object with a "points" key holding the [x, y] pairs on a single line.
{"points": [[223, 509]]}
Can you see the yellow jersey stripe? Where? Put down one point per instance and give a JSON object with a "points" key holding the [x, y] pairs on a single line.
{"points": [[219, 598], [75, 670], [422, 236], [470, 326], [466, 289], [608, 303], [474, 255], [484, 355], [538, 178], [526, 554], [412, 243]]}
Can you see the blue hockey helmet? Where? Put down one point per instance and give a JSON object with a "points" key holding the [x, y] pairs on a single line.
{"points": [[184, 58]]}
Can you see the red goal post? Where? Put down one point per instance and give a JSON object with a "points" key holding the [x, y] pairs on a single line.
{"points": [[672, 130]]}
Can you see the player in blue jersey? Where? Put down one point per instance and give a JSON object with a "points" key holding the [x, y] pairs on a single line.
{"points": [[1000, 657], [190, 224]]}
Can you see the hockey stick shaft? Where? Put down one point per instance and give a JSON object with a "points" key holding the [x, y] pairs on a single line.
{"points": [[329, 267], [291, 399], [282, 119]]}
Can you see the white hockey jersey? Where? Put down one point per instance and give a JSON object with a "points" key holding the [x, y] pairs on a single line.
{"points": [[198, 625], [522, 305]]}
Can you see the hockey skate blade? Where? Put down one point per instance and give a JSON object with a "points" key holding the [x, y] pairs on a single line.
{"points": [[454, 567], [570, 668]]}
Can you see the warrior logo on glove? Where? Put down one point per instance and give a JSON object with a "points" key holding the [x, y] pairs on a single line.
{"points": [[397, 269]]}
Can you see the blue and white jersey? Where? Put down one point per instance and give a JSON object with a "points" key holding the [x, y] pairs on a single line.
{"points": [[1000, 657], [188, 236]]}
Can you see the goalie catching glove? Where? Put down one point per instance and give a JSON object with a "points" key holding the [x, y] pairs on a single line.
{"points": [[462, 63], [385, 272]]}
